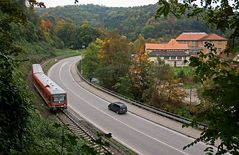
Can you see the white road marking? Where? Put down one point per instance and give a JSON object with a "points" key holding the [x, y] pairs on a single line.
{"points": [[96, 125], [153, 123], [99, 127], [115, 118]]}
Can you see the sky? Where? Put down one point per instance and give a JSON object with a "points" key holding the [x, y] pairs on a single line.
{"points": [[109, 3]]}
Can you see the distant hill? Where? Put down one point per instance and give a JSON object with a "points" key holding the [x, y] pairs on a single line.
{"points": [[130, 21]]}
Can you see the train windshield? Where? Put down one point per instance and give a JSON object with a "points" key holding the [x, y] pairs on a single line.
{"points": [[59, 98]]}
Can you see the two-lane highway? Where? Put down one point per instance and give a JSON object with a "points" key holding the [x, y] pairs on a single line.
{"points": [[137, 133]]}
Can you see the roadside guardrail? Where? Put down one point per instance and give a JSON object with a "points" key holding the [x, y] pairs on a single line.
{"points": [[158, 111]]}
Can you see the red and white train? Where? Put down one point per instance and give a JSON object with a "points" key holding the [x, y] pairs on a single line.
{"points": [[54, 96]]}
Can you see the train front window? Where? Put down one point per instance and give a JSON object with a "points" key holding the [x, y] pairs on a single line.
{"points": [[58, 98]]}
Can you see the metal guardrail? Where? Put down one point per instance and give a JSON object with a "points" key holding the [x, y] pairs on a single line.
{"points": [[89, 132], [142, 105]]}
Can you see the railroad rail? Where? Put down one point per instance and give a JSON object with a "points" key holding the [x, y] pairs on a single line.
{"points": [[81, 128], [88, 132]]}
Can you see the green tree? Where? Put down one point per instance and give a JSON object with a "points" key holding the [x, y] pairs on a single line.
{"points": [[220, 102], [65, 30], [14, 103], [221, 14], [83, 36], [149, 31], [219, 77], [127, 21], [90, 61], [181, 75], [125, 86], [22, 130], [163, 90], [115, 57]]}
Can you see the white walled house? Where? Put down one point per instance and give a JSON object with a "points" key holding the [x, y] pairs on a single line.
{"points": [[172, 53], [173, 58]]}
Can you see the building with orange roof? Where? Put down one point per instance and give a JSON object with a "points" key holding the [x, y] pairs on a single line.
{"points": [[196, 41], [173, 52], [172, 45]]}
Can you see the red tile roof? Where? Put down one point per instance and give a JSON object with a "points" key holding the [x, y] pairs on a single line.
{"points": [[214, 36], [191, 36], [196, 36], [171, 45]]}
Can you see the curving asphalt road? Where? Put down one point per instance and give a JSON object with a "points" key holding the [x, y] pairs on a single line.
{"points": [[139, 134]]}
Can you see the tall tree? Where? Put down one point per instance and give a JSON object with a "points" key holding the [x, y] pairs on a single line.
{"points": [[13, 97], [140, 70], [127, 21], [90, 62], [219, 77], [22, 131], [84, 35], [222, 14], [220, 103], [115, 56], [65, 30]]}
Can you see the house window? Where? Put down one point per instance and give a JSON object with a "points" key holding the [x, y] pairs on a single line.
{"points": [[173, 58], [194, 43], [166, 57], [179, 58]]}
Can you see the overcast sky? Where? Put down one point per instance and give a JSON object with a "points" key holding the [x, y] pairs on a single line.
{"points": [[109, 3]]}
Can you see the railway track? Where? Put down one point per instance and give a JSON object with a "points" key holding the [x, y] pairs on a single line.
{"points": [[83, 129]]}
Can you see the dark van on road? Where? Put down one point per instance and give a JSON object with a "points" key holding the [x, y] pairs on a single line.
{"points": [[118, 107]]}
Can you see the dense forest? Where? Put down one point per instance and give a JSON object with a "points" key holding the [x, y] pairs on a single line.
{"points": [[129, 22], [28, 38], [25, 125]]}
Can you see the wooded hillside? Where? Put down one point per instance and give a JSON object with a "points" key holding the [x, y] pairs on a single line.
{"points": [[130, 21]]}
